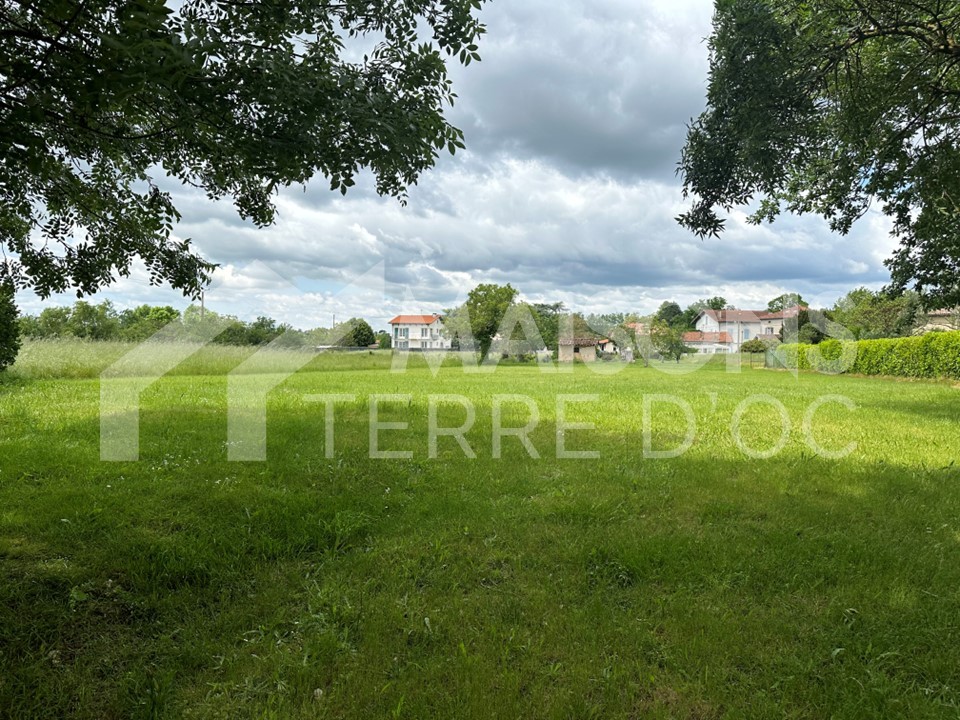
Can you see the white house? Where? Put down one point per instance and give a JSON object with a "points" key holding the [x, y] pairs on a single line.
{"points": [[418, 332], [738, 326], [606, 345]]}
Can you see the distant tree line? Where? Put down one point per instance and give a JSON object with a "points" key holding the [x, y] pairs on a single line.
{"points": [[104, 322], [866, 314]]}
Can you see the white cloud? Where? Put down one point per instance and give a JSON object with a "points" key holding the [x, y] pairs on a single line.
{"points": [[574, 122]]}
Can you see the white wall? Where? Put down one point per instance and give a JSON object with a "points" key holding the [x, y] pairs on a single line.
{"points": [[705, 323], [411, 336]]}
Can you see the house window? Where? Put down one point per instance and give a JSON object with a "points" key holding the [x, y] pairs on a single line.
{"points": [[423, 332], [769, 331], [746, 334]]}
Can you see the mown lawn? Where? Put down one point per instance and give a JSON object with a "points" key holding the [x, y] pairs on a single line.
{"points": [[707, 585]]}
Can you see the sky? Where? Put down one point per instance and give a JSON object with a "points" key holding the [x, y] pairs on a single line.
{"points": [[574, 122]]}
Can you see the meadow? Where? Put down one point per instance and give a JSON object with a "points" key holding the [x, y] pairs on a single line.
{"points": [[717, 583]]}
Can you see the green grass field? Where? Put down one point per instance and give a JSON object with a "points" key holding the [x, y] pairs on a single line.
{"points": [[708, 585]]}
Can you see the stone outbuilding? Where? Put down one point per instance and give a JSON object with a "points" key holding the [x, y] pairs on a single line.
{"points": [[578, 348]]}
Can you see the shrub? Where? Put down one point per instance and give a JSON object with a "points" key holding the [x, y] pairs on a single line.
{"points": [[756, 345], [9, 325], [934, 355]]}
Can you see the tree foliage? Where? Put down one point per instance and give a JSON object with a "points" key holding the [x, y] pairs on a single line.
{"points": [[807, 327], [357, 333], [754, 345], [103, 322], [480, 316], [579, 326], [83, 320], [668, 312], [9, 325], [141, 322], [827, 107], [236, 98], [869, 315], [808, 333], [667, 340], [784, 302], [605, 323], [519, 335], [547, 316]]}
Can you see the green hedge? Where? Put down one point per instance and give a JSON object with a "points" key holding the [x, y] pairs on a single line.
{"points": [[934, 355]]}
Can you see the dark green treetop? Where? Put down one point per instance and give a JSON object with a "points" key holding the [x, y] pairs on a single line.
{"points": [[831, 107], [236, 98]]}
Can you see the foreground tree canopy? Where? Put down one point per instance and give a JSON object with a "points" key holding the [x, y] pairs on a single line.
{"points": [[236, 98], [827, 106], [9, 326]]}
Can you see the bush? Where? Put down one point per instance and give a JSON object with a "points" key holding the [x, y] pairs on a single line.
{"points": [[9, 326], [934, 355], [756, 345]]}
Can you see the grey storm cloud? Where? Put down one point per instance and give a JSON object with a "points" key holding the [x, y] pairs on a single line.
{"points": [[606, 86], [574, 122], [530, 223]]}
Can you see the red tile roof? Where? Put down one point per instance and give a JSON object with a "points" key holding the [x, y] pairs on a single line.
{"points": [[753, 315], [414, 320], [738, 315], [707, 337]]}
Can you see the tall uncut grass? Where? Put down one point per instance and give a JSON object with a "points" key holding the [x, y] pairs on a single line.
{"points": [[85, 359]]}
